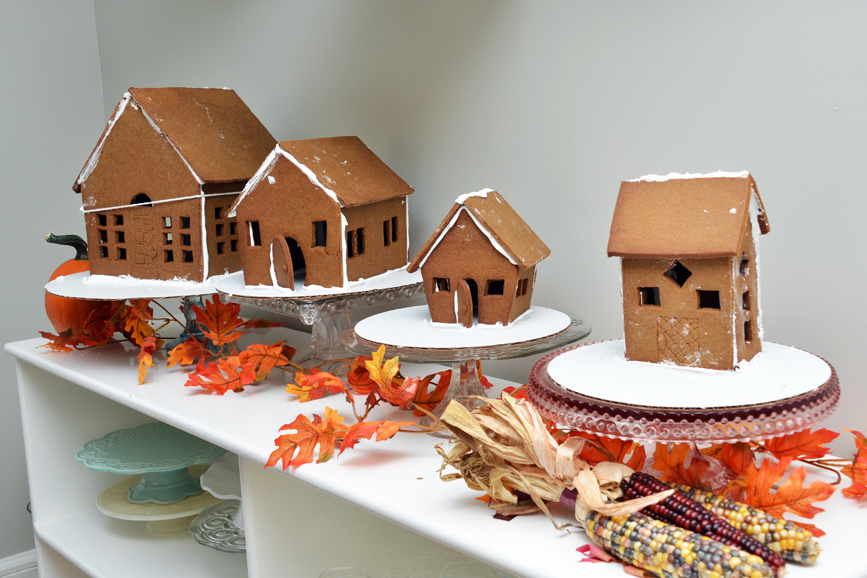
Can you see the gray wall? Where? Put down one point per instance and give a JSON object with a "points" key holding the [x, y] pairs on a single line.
{"points": [[551, 103]]}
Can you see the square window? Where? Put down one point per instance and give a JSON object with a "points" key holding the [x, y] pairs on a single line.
{"points": [[103, 252], [119, 237], [350, 244], [167, 222], [440, 284], [103, 220], [188, 256], [320, 233], [386, 233], [748, 331], [359, 239], [103, 236], [218, 212], [394, 229], [233, 228], [185, 222], [708, 299], [255, 239], [168, 238], [219, 230], [496, 287], [745, 300], [186, 240], [648, 296], [121, 254], [118, 220], [169, 256], [233, 245], [745, 265], [221, 248]]}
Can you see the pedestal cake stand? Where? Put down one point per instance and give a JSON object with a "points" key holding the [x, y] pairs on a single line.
{"points": [[410, 334], [327, 310]]}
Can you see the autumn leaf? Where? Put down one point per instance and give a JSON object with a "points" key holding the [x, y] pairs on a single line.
{"points": [[673, 468], [482, 379], [188, 352], [263, 358], [857, 470], [738, 457], [321, 432], [801, 445], [429, 400], [395, 391], [259, 324], [517, 392], [358, 377], [219, 377], [66, 341], [382, 373], [384, 430], [219, 321], [605, 449], [315, 385], [145, 357], [100, 326], [136, 317], [791, 496]]}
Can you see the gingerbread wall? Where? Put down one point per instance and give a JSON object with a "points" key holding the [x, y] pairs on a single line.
{"points": [[748, 321], [224, 238], [383, 226]]}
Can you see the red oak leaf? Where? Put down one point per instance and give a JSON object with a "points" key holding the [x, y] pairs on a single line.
{"points": [[673, 468], [66, 341], [315, 385], [263, 358], [219, 377], [145, 357], [857, 470], [366, 429], [308, 434], [802, 445], [135, 317], [358, 377], [428, 400], [604, 449], [188, 353], [259, 324], [219, 321]]}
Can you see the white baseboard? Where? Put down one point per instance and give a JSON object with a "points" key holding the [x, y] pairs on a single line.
{"points": [[21, 565]]}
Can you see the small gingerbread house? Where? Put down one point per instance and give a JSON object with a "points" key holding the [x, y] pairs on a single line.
{"points": [[689, 255], [322, 212], [480, 262], [157, 186]]}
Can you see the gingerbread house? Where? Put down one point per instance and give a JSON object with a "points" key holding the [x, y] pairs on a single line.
{"points": [[157, 186], [688, 246], [480, 262], [322, 212]]}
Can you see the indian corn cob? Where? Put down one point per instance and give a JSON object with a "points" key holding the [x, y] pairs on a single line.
{"points": [[782, 536], [680, 510], [668, 551]]}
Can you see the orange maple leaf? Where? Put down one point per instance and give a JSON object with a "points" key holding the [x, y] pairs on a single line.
{"points": [[219, 377], [392, 389], [359, 378], [188, 352], [315, 385], [219, 321], [738, 457], [384, 430], [308, 434], [801, 445], [791, 496], [857, 470], [673, 468], [145, 357], [66, 341], [429, 400], [605, 449], [136, 317], [264, 358]]}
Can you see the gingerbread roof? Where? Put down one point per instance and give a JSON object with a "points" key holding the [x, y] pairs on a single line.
{"points": [[507, 231], [213, 131], [685, 216], [343, 167]]}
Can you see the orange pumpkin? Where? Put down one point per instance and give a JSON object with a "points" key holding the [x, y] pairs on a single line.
{"points": [[65, 312]]}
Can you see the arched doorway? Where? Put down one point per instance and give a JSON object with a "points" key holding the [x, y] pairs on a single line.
{"points": [[467, 302], [288, 260]]}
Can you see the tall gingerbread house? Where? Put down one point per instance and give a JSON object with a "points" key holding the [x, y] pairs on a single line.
{"points": [[158, 185], [323, 211], [688, 246], [480, 262]]}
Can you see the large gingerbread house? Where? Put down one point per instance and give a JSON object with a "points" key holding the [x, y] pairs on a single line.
{"points": [[689, 255], [323, 211], [157, 187], [480, 262]]}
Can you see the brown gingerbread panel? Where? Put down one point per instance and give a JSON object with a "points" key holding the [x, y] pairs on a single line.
{"points": [[224, 248], [523, 292], [679, 311], [748, 329], [375, 238]]}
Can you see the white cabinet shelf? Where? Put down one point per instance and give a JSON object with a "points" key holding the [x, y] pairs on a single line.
{"points": [[299, 523]]}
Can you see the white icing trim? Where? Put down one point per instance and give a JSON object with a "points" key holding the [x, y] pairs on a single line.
{"points": [[205, 256], [94, 158], [343, 225], [755, 209], [264, 169], [406, 225], [735, 270], [160, 132], [672, 176], [457, 317], [483, 194], [199, 196], [273, 271], [484, 231], [311, 175]]}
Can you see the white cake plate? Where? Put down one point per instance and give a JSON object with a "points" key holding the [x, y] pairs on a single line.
{"points": [[410, 334], [106, 287], [327, 310], [223, 480]]}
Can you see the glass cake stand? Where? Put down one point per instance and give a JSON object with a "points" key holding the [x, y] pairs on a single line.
{"points": [[327, 311], [464, 358]]}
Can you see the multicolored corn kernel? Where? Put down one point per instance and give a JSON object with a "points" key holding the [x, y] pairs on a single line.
{"points": [[783, 537], [667, 551]]}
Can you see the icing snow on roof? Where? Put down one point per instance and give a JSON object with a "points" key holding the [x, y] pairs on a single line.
{"points": [[483, 193], [671, 176]]}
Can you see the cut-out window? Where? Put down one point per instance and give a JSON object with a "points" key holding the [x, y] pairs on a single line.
{"points": [[168, 238], [233, 245], [119, 237], [496, 287], [219, 229], [103, 220], [522, 287], [103, 252], [355, 242], [167, 222], [118, 220], [648, 296], [708, 299], [188, 256], [218, 212], [745, 299], [233, 228], [169, 256], [678, 273], [185, 222], [141, 199], [121, 254], [360, 240], [255, 239], [394, 229], [186, 240], [103, 235], [386, 233], [221, 248], [320, 233], [748, 331], [440, 284], [745, 265]]}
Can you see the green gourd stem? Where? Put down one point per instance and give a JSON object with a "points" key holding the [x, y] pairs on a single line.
{"points": [[74, 241]]}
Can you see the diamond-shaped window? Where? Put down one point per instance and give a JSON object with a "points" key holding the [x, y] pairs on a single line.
{"points": [[678, 273]]}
